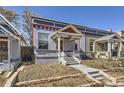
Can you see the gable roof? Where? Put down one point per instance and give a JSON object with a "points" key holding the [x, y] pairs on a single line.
{"points": [[2, 31], [8, 26], [108, 37], [72, 30], [65, 31]]}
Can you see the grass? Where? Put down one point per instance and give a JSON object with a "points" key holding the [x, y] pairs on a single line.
{"points": [[34, 72], [116, 72], [67, 82], [101, 63]]}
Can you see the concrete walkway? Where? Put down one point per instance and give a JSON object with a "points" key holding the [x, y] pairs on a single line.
{"points": [[92, 73], [83, 68]]}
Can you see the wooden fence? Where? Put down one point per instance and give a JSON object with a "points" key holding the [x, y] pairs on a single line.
{"points": [[27, 54]]}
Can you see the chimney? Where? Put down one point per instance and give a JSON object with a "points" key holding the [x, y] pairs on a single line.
{"points": [[109, 29]]}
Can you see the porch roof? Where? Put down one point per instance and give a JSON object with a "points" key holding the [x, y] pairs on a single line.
{"points": [[2, 33], [8, 28], [109, 37], [68, 32]]}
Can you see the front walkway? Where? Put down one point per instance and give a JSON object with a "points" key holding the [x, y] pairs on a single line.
{"points": [[92, 73], [83, 68]]}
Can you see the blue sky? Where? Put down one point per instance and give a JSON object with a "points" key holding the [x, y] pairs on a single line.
{"points": [[96, 17]]}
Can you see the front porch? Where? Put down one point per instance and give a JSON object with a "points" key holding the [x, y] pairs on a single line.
{"points": [[9, 52], [108, 47]]}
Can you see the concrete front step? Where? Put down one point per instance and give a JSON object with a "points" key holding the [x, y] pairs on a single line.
{"points": [[96, 76], [93, 72], [100, 78], [70, 61], [69, 57]]}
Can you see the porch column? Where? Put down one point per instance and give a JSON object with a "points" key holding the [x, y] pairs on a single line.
{"points": [[59, 46], [120, 49], [94, 46], [9, 55], [19, 49], [79, 45], [109, 49]]}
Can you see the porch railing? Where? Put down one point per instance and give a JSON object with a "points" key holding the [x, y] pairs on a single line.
{"points": [[68, 53], [56, 53], [72, 53], [78, 54], [102, 54], [46, 53], [5, 65]]}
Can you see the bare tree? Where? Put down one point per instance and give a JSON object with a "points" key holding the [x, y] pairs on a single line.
{"points": [[12, 16], [27, 24]]}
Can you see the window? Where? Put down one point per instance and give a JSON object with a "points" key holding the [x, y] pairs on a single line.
{"points": [[103, 46], [3, 50], [59, 25], [43, 40], [43, 22], [91, 44]]}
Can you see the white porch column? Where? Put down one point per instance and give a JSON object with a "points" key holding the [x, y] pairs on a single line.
{"points": [[94, 46], [109, 49], [59, 46], [120, 49], [19, 49], [9, 54], [79, 45]]}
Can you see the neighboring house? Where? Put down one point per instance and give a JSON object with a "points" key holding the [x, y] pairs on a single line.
{"points": [[54, 40], [121, 34], [108, 47], [9, 45]]}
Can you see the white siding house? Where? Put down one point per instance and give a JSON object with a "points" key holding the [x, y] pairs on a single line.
{"points": [[9, 45], [61, 42]]}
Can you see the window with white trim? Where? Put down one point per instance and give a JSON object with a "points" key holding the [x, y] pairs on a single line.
{"points": [[3, 50], [43, 40], [91, 44]]}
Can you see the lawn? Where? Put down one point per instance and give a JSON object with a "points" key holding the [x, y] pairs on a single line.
{"points": [[44, 71], [101, 63], [116, 72]]}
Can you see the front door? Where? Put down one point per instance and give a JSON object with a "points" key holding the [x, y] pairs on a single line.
{"points": [[61, 45], [115, 51]]}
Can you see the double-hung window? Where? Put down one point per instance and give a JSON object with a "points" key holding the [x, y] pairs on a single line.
{"points": [[91, 44], [3, 50], [43, 40]]}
